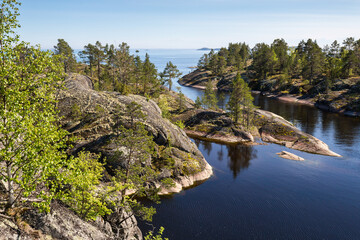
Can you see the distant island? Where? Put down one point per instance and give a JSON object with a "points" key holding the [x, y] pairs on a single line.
{"points": [[208, 49]]}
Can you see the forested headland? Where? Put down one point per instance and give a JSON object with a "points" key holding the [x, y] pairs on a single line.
{"points": [[327, 76]]}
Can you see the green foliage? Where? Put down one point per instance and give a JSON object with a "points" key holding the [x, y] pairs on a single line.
{"points": [[158, 236], [100, 111], [203, 61], [170, 72], [136, 176], [198, 102], [221, 100], [234, 56], [164, 106], [307, 61], [66, 54], [30, 140], [264, 60], [241, 101], [164, 159], [350, 56], [313, 59], [134, 112], [209, 99], [280, 48], [85, 196], [180, 124], [76, 113], [118, 70], [88, 56], [181, 99], [150, 76], [190, 166]]}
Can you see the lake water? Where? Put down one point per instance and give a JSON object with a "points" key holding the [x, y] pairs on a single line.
{"points": [[254, 194]]}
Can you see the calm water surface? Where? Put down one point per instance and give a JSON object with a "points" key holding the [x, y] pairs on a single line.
{"points": [[254, 194]]}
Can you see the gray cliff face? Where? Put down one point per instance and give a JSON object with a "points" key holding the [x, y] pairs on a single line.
{"points": [[91, 116]]}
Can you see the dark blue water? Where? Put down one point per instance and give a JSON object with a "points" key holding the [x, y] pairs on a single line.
{"points": [[254, 194]]}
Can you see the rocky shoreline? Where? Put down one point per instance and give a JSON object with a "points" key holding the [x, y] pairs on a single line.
{"points": [[340, 100], [289, 98], [217, 126]]}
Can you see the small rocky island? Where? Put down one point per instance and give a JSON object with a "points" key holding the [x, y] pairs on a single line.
{"points": [[269, 127]]}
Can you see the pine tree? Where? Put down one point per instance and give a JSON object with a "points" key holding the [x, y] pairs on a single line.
{"points": [[240, 101], [138, 73], [264, 60], [280, 48], [333, 64], [110, 53], [125, 65], [198, 102], [67, 55], [170, 72], [350, 57], [209, 99], [181, 99], [99, 57], [88, 56], [313, 60], [203, 61], [150, 76]]}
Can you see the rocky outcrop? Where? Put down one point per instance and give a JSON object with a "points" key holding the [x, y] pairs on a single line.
{"points": [[196, 79], [291, 156], [219, 127], [91, 116], [10, 231], [343, 98], [62, 223], [213, 126], [275, 129]]}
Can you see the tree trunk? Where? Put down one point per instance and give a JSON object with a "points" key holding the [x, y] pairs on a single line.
{"points": [[10, 190]]}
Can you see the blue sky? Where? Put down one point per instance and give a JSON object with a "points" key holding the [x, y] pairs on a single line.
{"points": [[187, 23]]}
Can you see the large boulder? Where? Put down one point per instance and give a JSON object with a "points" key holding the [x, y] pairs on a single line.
{"points": [[291, 156]]}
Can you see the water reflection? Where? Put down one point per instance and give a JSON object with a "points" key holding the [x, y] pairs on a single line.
{"points": [[308, 119], [347, 130], [239, 158]]}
